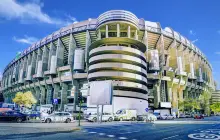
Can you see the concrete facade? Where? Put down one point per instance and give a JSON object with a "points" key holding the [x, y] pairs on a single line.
{"points": [[147, 64]]}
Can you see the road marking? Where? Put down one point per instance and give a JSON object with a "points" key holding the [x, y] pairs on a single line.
{"points": [[204, 136], [92, 132], [111, 136], [101, 134], [122, 138], [170, 137], [130, 132]]}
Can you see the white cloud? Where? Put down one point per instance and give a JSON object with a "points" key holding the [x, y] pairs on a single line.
{"points": [[194, 41], [26, 39], [29, 12], [191, 32], [217, 52]]}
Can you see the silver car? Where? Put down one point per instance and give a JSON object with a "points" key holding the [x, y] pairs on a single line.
{"points": [[58, 117]]}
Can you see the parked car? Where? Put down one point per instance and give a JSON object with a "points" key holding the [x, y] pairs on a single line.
{"points": [[157, 115], [76, 115], [150, 117], [186, 115], [166, 117], [198, 116], [105, 117], [58, 117], [33, 114], [13, 116]]}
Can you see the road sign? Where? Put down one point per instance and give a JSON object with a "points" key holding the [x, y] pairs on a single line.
{"points": [[146, 109], [55, 101]]}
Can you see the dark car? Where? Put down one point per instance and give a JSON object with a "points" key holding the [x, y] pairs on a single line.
{"points": [[198, 117], [33, 114], [13, 116]]}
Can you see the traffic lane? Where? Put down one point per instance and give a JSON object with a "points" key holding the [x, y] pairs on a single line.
{"points": [[131, 131], [211, 118], [143, 131]]}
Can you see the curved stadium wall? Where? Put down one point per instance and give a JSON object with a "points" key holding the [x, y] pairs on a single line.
{"points": [[150, 67]]}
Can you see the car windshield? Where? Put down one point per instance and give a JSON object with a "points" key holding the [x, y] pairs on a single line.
{"points": [[119, 112]]}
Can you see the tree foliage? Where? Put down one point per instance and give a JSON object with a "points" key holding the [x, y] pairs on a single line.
{"points": [[192, 104], [215, 107], [25, 99]]}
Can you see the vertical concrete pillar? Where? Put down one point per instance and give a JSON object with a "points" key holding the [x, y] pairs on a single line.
{"points": [[43, 94], [60, 53], [185, 93], [55, 94], [76, 94], [63, 95], [45, 58], [49, 94], [136, 35], [56, 90], [99, 34], [129, 32], [37, 94], [175, 98], [118, 30], [72, 47], [106, 31], [156, 95], [170, 94], [88, 43]]}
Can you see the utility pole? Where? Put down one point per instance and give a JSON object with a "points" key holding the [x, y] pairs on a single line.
{"points": [[80, 104]]}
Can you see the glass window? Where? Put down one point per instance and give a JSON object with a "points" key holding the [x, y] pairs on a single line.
{"points": [[112, 34], [119, 112], [102, 34], [123, 34]]}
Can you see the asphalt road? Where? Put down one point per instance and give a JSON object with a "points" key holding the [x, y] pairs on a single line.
{"points": [[162, 130]]}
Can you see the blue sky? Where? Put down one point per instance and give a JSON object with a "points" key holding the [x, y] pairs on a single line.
{"points": [[23, 22]]}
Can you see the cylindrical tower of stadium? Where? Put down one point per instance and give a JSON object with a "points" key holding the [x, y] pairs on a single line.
{"points": [[118, 55]]}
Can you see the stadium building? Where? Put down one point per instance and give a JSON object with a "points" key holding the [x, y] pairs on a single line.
{"points": [[150, 66]]}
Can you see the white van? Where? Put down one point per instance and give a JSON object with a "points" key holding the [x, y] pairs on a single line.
{"points": [[126, 114]]}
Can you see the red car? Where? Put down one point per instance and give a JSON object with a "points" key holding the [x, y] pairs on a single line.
{"points": [[198, 117]]}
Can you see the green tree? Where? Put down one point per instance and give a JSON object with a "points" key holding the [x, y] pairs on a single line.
{"points": [[26, 99], [204, 99], [215, 107]]}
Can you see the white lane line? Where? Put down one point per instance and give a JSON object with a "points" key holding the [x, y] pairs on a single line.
{"points": [[198, 130], [92, 132], [101, 134], [122, 138], [170, 137], [130, 132], [111, 136]]}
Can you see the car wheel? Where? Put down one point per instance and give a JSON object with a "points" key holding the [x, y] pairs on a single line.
{"points": [[133, 118], [94, 119], [110, 119], [68, 120], [48, 121], [19, 120]]}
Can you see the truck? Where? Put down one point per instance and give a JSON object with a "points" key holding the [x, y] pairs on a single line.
{"points": [[126, 114]]}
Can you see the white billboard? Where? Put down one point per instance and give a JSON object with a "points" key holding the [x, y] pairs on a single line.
{"points": [[101, 92]]}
